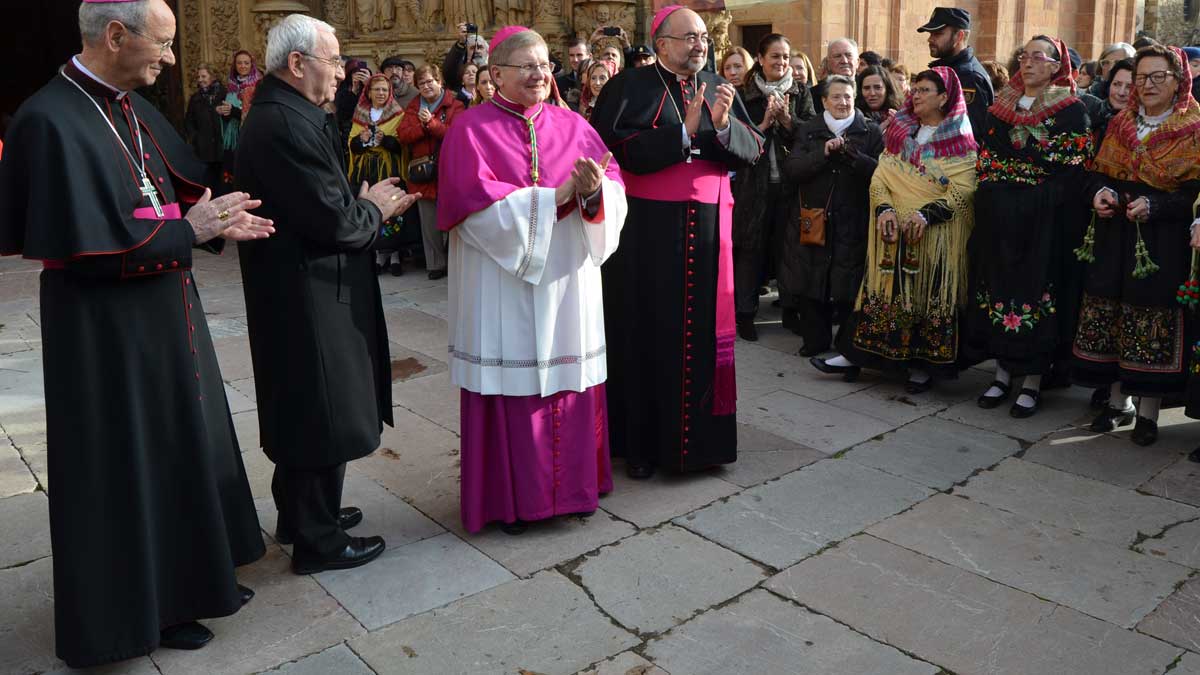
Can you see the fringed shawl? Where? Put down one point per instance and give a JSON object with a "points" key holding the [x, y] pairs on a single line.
{"points": [[237, 83], [953, 137], [391, 108], [1167, 157]]}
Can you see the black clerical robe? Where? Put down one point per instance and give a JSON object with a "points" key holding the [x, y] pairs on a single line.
{"points": [[317, 331], [150, 510], [668, 290]]}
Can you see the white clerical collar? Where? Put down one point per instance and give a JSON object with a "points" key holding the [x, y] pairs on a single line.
{"points": [[83, 69], [678, 77]]}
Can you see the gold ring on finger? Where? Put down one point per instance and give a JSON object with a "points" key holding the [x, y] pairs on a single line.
{"points": [[395, 197], [223, 216]]}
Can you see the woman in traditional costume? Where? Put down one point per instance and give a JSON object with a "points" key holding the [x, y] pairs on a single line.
{"points": [[244, 76], [915, 282], [1025, 278], [376, 154], [1131, 334]]}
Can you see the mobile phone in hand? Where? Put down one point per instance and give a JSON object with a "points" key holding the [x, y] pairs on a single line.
{"points": [[612, 31]]}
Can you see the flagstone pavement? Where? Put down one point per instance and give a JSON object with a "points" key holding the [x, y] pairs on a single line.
{"points": [[862, 530]]}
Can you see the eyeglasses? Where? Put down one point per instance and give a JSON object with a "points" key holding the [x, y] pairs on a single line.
{"points": [[1036, 57], [164, 46], [529, 69], [335, 61], [1157, 77], [692, 39]]}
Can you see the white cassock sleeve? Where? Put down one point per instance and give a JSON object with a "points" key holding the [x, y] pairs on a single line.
{"points": [[515, 231], [601, 237]]}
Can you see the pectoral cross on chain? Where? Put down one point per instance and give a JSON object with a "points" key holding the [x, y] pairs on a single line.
{"points": [[148, 190]]}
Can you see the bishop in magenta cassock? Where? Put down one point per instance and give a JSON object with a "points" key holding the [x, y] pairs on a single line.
{"points": [[533, 207], [150, 510], [677, 131]]}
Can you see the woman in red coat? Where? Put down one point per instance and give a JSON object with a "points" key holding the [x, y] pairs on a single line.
{"points": [[423, 128]]}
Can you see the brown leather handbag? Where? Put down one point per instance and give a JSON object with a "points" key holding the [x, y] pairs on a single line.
{"points": [[812, 223]]}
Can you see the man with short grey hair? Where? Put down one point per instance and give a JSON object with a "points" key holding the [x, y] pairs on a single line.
{"points": [[841, 58], [150, 510], [317, 333]]}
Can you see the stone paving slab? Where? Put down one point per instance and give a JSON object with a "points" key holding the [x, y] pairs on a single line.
{"points": [[338, 660], [27, 619], [15, 476], [818, 425], [762, 634], [34, 456], [19, 332], [655, 580], [21, 388], [433, 398], [548, 542], [761, 371], [1179, 482], [781, 522], [1100, 579], [763, 456], [1098, 510], [290, 617], [431, 300], [1058, 409], [239, 402], [934, 452], [413, 578], [418, 331], [959, 621], [139, 666], [625, 663], [1179, 544], [233, 355], [245, 425], [26, 425], [545, 624], [26, 520], [889, 402], [647, 503], [1105, 457], [1188, 665], [1178, 619]]}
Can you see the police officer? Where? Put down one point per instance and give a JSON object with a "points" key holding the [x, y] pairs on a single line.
{"points": [[949, 28]]}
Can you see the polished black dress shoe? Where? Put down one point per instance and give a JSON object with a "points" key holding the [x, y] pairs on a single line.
{"points": [[1021, 412], [360, 551], [1145, 432], [436, 274], [988, 402], [914, 387], [246, 594], [348, 517], [515, 527], [639, 471], [747, 330], [397, 269], [190, 635], [1111, 418], [848, 373], [1100, 398]]}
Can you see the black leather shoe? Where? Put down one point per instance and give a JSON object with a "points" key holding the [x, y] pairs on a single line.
{"points": [[190, 635], [246, 594], [514, 528], [747, 330], [436, 274], [397, 269], [848, 373], [988, 402], [1145, 432], [914, 387], [1100, 398], [1021, 412], [1111, 418], [1195, 456], [360, 551], [348, 517], [639, 471]]}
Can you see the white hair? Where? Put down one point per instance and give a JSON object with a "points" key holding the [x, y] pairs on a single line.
{"points": [[849, 41], [295, 33], [94, 17], [477, 39], [1125, 47]]}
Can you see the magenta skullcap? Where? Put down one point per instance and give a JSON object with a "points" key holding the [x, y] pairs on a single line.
{"points": [[662, 15], [503, 34]]}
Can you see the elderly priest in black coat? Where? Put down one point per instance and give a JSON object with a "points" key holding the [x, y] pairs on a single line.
{"points": [[150, 510], [317, 333]]}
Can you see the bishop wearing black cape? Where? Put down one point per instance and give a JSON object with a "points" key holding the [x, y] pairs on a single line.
{"points": [[150, 509], [668, 290]]}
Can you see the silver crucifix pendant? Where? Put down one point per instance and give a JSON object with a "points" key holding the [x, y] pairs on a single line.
{"points": [[151, 193]]}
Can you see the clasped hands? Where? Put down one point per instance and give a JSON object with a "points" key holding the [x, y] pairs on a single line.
{"points": [[913, 227], [586, 177], [720, 108], [1106, 202], [228, 216], [778, 110]]}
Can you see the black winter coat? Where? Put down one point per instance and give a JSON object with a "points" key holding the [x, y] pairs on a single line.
{"points": [[317, 332], [202, 125], [833, 271], [750, 209]]}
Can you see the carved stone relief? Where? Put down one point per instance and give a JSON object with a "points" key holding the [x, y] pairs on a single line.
{"points": [[717, 23], [588, 16]]}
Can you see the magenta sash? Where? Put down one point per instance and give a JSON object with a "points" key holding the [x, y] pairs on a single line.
{"points": [[170, 212], [705, 182]]}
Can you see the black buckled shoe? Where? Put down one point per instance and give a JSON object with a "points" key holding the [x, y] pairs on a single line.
{"points": [[1100, 399], [848, 373], [397, 269], [639, 471], [988, 402], [245, 594], [1111, 418], [515, 528], [348, 517], [1021, 412], [360, 551], [189, 635], [1145, 432]]}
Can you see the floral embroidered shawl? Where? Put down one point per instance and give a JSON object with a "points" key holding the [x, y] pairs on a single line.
{"points": [[953, 137]]}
